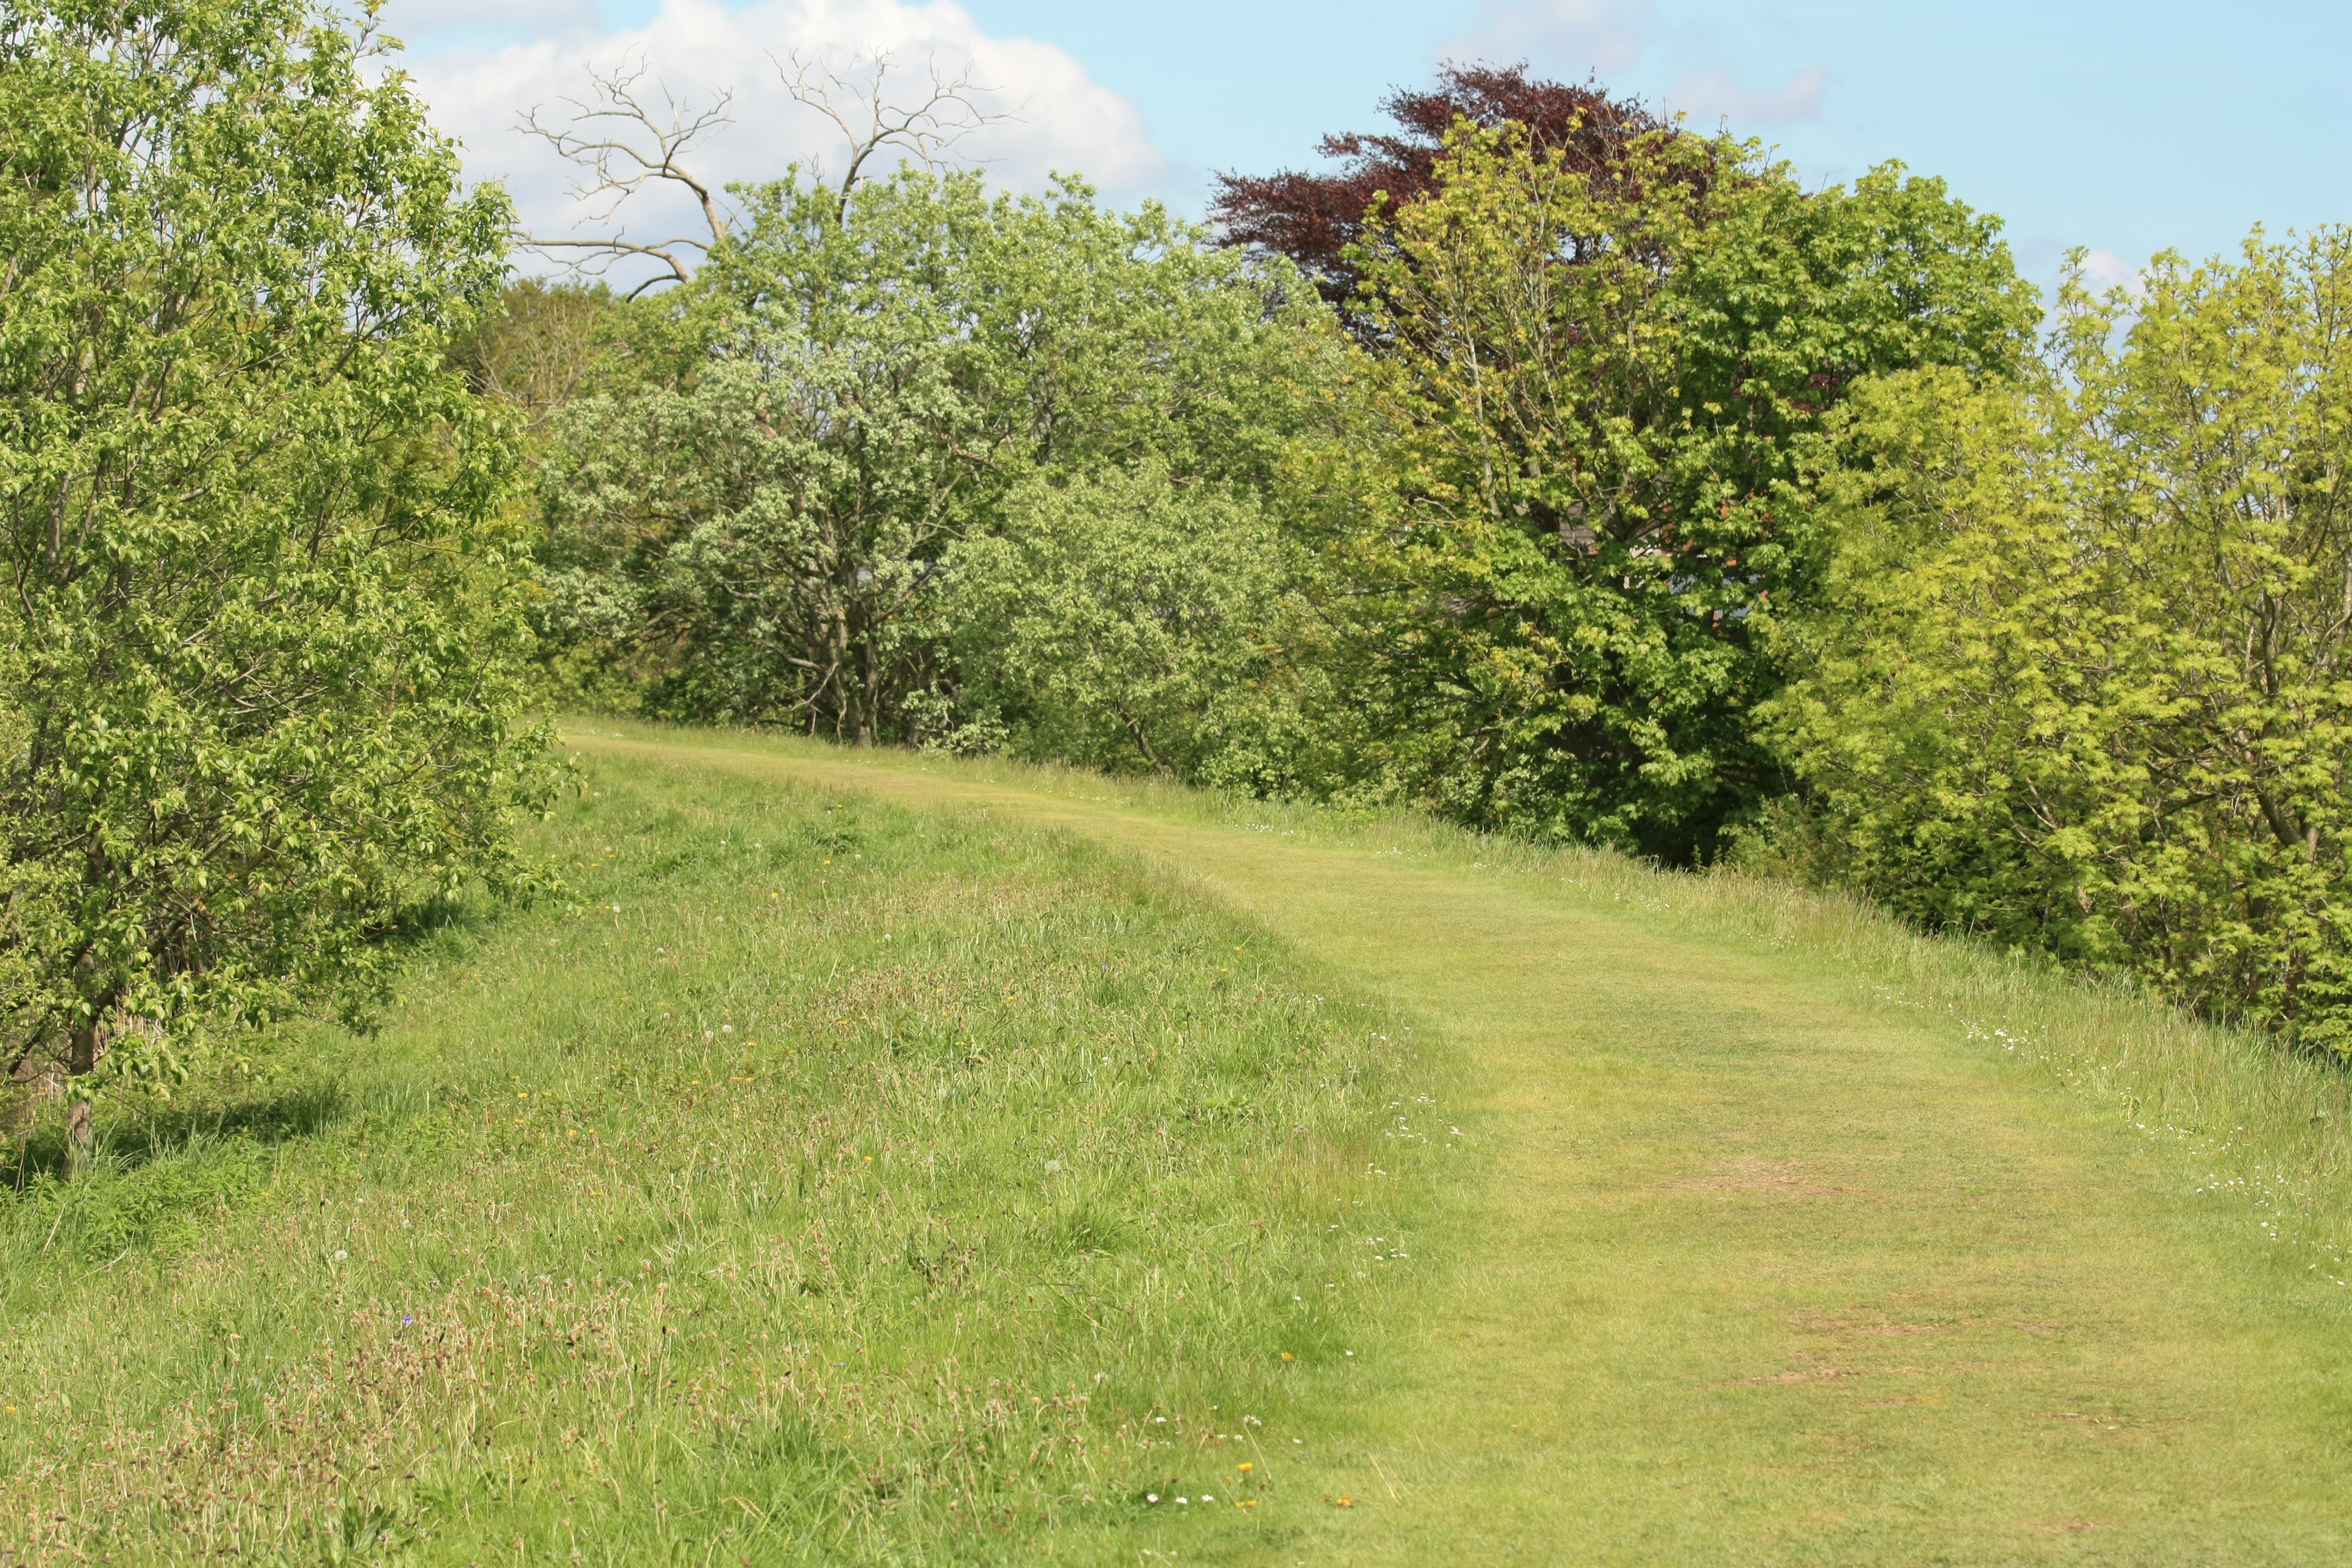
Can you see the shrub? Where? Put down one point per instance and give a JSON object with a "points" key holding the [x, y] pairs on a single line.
{"points": [[268, 629], [2086, 685], [762, 541], [1125, 622]]}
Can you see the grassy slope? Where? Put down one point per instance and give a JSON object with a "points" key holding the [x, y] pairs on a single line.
{"points": [[836, 1184], [1795, 1238], [1778, 1237]]}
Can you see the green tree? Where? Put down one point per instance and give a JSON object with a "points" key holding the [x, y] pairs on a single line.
{"points": [[769, 538], [1122, 621], [1585, 487], [29, 990], [269, 633], [2085, 682]]}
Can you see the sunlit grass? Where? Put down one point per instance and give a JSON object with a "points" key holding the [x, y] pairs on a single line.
{"points": [[1794, 1236], [2268, 1124], [818, 1181], [790, 1211]]}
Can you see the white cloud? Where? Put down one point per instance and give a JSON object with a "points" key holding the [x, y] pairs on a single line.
{"points": [[1718, 96], [422, 20], [1625, 41], [1563, 37], [2104, 269], [1061, 119]]}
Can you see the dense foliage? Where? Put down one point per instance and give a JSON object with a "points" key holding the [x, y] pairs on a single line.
{"points": [[2083, 682], [1123, 620], [770, 539], [1513, 469], [1320, 220], [1587, 484], [267, 638]]}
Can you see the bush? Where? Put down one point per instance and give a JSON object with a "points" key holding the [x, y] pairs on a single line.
{"points": [[762, 541], [1125, 622], [2086, 685], [268, 631]]}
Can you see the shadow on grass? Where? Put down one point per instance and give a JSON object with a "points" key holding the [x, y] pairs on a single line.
{"points": [[132, 1143]]}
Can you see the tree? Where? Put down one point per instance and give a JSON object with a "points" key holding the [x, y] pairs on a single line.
{"points": [[1586, 487], [624, 144], [768, 544], [2082, 679], [1121, 621], [1318, 220], [271, 637]]}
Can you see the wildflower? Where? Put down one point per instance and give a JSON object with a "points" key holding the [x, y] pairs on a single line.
{"points": [[1185, 1500], [1246, 1467], [1204, 1498], [1151, 1497], [1287, 1356]]}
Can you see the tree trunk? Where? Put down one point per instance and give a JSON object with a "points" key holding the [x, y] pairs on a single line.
{"points": [[81, 1057], [80, 1137]]}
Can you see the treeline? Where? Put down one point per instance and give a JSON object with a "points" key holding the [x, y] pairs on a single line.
{"points": [[1543, 464], [1487, 500], [1559, 469]]}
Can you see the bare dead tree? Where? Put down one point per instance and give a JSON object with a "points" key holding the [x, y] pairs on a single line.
{"points": [[622, 142], [870, 121]]}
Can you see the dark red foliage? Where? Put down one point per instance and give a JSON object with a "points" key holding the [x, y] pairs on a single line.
{"points": [[1313, 218]]}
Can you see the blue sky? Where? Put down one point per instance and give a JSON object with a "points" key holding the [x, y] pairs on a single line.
{"points": [[2121, 128]]}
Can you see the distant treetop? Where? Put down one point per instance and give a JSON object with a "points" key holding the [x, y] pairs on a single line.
{"points": [[1313, 218]]}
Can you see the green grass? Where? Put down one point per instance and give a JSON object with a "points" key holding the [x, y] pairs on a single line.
{"points": [[828, 1183], [1607, 1216]]}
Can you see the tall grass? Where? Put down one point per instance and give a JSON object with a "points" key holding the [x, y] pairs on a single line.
{"points": [[821, 1183], [2235, 1109]]}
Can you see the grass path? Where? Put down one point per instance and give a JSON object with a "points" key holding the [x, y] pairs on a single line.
{"points": [[1754, 1269]]}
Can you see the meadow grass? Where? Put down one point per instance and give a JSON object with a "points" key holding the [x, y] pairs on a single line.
{"points": [[816, 1182], [2271, 1125], [904, 1159], [1794, 1236]]}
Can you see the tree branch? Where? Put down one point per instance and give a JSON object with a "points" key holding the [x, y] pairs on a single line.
{"points": [[868, 121], [622, 142]]}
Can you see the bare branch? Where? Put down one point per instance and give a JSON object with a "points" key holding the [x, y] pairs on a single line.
{"points": [[622, 142], [868, 121]]}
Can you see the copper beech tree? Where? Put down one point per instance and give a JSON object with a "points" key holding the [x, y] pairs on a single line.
{"points": [[1316, 218]]}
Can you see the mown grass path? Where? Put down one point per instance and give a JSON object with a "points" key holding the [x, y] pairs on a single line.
{"points": [[1752, 1268]]}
